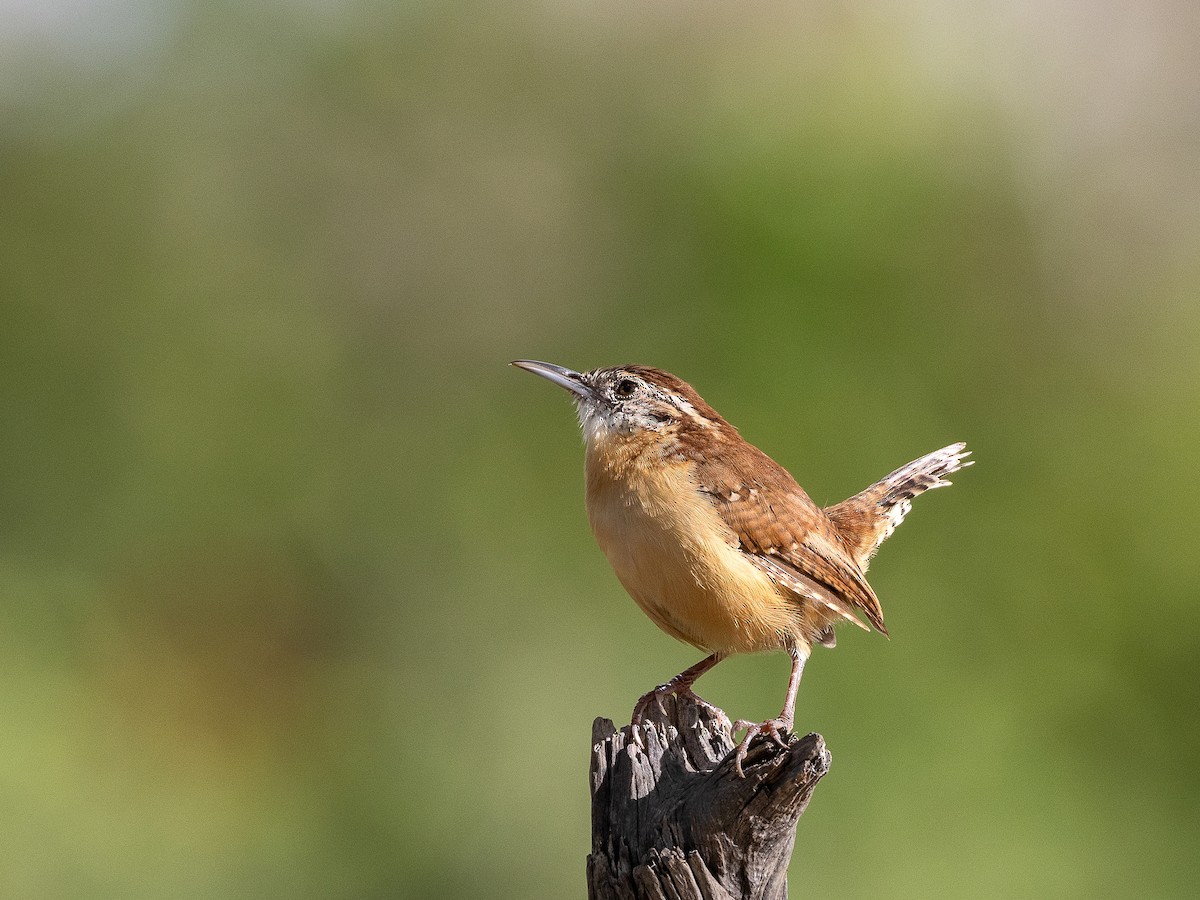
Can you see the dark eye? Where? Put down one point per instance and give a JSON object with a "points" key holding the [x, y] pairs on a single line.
{"points": [[626, 387]]}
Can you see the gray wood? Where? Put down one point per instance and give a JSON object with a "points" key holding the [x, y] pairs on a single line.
{"points": [[671, 820]]}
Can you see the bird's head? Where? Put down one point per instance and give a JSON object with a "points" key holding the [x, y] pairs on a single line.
{"points": [[629, 401]]}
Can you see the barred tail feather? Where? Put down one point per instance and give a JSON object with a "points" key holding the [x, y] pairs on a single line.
{"points": [[869, 517]]}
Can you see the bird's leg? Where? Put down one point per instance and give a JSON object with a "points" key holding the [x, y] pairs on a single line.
{"points": [[773, 728], [680, 686]]}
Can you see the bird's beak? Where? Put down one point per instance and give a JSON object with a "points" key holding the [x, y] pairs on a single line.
{"points": [[563, 377]]}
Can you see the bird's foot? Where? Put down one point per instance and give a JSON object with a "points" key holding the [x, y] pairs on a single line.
{"points": [[775, 729], [653, 700], [712, 709]]}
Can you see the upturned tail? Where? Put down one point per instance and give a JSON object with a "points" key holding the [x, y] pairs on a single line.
{"points": [[866, 519]]}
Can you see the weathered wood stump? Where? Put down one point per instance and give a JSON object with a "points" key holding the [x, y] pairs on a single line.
{"points": [[671, 820]]}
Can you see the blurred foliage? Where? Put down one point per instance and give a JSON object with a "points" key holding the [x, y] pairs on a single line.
{"points": [[299, 594]]}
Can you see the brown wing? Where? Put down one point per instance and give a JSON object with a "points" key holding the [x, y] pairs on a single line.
{"points": [[787, 535]]}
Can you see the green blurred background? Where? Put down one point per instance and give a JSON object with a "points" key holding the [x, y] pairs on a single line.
{"points": [[299, 599]]}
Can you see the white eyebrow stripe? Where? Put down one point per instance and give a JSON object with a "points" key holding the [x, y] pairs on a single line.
{"points": [[690, 411]]}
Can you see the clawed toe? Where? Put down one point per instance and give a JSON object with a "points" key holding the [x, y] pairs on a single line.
{"points": [[642, 708], [775, 729], [711, 708], [654, 699]]}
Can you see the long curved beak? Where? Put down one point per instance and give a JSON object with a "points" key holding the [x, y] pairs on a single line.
{"points": [[563, 377]]}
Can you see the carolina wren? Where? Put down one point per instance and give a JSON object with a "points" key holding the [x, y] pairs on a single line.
{"points": [[714, 540]]}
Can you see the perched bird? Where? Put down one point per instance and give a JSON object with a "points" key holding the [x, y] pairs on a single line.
{"points": [[714, 540]]}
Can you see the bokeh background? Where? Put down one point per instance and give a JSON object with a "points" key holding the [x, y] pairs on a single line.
{"points": [[298, 597]]}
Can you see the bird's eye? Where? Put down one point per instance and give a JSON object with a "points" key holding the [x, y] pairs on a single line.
{"points": [[625, 387]]}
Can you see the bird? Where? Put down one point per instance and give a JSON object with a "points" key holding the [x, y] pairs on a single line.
{"points": [[715, 541]]}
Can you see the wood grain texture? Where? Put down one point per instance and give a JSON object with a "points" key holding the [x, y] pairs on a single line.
{"points": [[672, 821]]}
